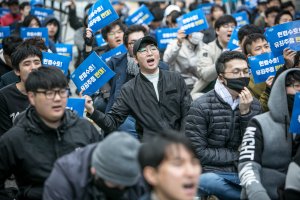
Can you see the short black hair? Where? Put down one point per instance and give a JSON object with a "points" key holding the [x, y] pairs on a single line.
{"points": [[226, 57], [22, 52], [28, 19], [157, 13], [287, 4], [247, 30], [153, 157], [133, 29], [279, 15], [296, 59], [271, 10], [225, 19], [269, 1], [249, 40], [108, 28], [37, 42], [292, 77], [23, 5], [9, 44], [46, 78]]}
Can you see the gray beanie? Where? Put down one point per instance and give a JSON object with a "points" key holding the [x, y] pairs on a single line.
{"points": [[115, 159]]}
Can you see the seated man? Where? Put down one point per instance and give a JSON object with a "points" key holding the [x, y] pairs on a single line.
{"points": [[98, 170], [171, 168], [215, 125], [41, 134], [157, 99], [267, 145], [13, 98]]}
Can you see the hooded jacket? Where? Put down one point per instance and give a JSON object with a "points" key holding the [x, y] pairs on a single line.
{"points": [[71, 179], [267, 147], [30, 148], [48, 19]]}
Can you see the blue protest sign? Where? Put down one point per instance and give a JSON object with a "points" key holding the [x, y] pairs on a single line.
{"points": [[41, 13], [251, 3], [234, 41], [140, 16], [36, 2], [295, 120], [284, 35], [4, 32], [77, 105], [56, 60], [206, 7], [264, 65], [101, 14], [100, 41], [192, 22], [64, 49], [114, 52], [241, 18], [164, 36], [91, 74], [4, 11], [33, 32]]}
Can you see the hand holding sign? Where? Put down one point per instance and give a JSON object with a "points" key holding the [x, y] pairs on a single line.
{"points": [[289, 57], [88, 37]]}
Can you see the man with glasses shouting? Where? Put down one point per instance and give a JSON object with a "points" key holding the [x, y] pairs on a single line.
{"points": [[215, 125], [41, 134], [157, 99]]}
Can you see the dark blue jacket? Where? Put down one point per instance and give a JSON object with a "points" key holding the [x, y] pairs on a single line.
{"points": [[8, 78], [119, 65], [71, 179]]}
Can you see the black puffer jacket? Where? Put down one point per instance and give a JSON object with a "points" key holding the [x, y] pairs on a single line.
{"points": [[30, 148], [216, 131]]}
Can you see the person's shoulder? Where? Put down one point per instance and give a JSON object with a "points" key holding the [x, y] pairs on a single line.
{"points": [[205, 98]]}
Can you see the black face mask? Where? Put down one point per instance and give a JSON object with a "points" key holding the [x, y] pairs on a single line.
{"points": [[237, 84], [110, 193], [290, 101]]}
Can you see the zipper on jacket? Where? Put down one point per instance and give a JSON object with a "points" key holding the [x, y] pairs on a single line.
{"points": [[58, 135], [232, 128]]}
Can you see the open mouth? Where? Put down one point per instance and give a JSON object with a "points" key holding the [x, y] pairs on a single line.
{"points": [[229, 35], [150, 61], [190, 188], [118, 41]]}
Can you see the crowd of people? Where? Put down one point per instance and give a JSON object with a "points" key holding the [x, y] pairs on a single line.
{"points": [[181, 123]]}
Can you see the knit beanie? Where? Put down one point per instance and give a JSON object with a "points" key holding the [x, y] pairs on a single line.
{"points": [[115, 159]]}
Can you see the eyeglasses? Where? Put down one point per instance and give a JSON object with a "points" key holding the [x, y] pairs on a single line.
{"points": [[145, 50], [50, 94], [238, 72], [113, 34], [227, 26]]}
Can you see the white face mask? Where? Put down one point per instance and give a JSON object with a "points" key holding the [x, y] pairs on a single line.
{"points": [[195, 38]]}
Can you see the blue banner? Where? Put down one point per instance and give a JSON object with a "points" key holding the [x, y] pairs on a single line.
{"points": [[91, 74], [64, 49], [77, 105], [284, 35], [100, 41], [4, 11], [41, 13], [241, 18], [251, 3], [206, 7], [295, 120], [114, 52], [4, 32], [36, 2], [140, 16], [165, 35], [56, 60], [101, 14], [192, 22], [33, 32], [234, 41], [264, 65]]}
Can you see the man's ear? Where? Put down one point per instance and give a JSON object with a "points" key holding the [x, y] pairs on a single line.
{"points": [[31, 98], [17, 72], [221, 78], [151, 175], [135, 59]]}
